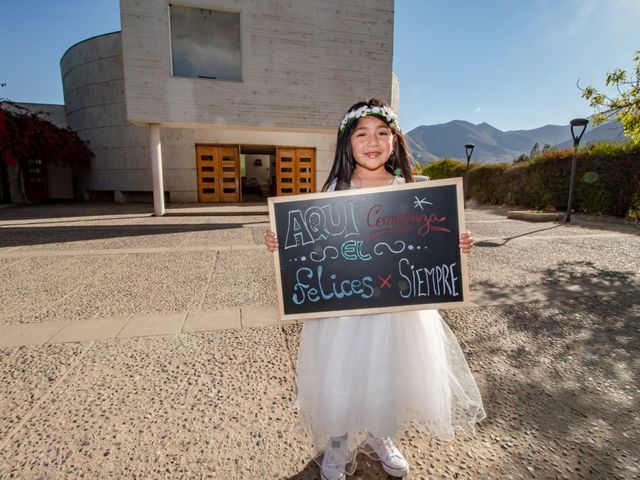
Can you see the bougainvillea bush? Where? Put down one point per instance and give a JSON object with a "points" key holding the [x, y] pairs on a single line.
{"points": [[26, 135]]}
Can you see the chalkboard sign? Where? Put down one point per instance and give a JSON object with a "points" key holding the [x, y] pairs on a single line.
{"points": [[373, 250]]}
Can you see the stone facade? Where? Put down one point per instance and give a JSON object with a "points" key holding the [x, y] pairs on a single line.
{"points": [[303, 64]]}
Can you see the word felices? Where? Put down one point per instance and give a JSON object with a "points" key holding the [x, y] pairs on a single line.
{"points": [[311, 286]]}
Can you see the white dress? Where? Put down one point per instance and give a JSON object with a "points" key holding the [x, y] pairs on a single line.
{"points": [[373, 373]]}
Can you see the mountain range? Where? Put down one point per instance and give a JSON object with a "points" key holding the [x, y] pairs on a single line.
{"points": [[434, 142]]}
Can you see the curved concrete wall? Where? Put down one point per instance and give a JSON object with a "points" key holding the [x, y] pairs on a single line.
{"points": [[93, 84]]}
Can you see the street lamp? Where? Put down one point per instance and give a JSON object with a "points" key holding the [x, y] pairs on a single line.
{"points": [[468, 149], [576, 122]]}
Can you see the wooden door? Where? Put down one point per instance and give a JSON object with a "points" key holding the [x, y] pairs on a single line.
{"points": [[285, 171], [36, 185], [229, 174], [207, 164], [305, 169], [295, 171], [218, 173]]}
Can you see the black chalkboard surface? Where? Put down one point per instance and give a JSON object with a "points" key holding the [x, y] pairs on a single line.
{"points": [[372, 250]]}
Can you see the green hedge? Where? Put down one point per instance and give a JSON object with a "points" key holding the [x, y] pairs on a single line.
{"points": [[607, 180]]}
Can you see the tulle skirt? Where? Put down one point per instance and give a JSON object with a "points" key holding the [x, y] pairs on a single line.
{"points": [[374, 373]]}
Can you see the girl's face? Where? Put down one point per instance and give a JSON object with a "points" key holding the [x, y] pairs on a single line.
{"points": [[371, 143]]}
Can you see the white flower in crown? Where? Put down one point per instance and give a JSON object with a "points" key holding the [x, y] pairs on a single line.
{"points": [[365, 110]]}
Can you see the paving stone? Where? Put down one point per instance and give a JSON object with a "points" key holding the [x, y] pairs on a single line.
{"points": [[209, 321], [16, 335], [92, 329], [260, 317], [150, 325], [26, 375]]}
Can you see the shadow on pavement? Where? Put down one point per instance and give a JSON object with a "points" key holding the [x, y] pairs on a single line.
{"points": [[567, 372], [311, 471], [489, 243], [62, 209], [36, 235]]}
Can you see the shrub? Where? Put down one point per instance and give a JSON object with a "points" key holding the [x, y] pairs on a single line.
{"points": [[487, 183], [445, 168], [607, 180]]}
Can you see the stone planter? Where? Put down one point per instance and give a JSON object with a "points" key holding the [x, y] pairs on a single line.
{"points": [[533, 216]]}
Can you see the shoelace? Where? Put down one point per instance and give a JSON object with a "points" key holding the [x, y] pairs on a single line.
{"points": [[390, 447]]}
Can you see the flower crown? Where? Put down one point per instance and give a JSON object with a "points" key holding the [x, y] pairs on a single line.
{"points": [[365, 110]]}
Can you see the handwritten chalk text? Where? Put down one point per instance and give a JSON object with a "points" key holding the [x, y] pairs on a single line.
{"points": [[319, 223], [384, 224], [437, 281], [312, 287]]}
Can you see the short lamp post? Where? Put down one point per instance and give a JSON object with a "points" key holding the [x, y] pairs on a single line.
{"points": [[576, 122], [468, 149]]}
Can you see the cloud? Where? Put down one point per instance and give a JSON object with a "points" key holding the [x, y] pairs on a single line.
{"points": [[581, 19]]}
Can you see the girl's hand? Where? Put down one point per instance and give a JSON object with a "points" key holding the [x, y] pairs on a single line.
{"points": [[270, 241], [466, 242]]}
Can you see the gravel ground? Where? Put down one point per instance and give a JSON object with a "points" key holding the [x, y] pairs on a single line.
{"points": [[558, 370]]}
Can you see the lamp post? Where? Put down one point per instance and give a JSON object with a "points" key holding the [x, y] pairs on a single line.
{"points": [[576, 122], [468, 150]]}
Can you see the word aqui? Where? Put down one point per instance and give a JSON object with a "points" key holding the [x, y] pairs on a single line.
{"points": [[319, 223]]}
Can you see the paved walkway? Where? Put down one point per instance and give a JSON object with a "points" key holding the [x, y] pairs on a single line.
{"points": [[133, 346]]}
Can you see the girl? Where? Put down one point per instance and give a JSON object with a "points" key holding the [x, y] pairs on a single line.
{"points": [[361, 378]]}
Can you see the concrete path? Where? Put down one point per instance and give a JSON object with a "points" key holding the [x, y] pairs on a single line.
{"points": [[133, 346]]}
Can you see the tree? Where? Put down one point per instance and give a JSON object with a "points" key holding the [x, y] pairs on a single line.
{"points": [[546, 148], [535, 150], [625, 107], [24, 135], [522, 158]]}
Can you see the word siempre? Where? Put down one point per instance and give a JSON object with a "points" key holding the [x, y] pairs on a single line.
{"points": [[439, 280]]}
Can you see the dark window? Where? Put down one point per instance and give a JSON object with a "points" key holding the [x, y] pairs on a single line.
{"points": [[205, 43]]}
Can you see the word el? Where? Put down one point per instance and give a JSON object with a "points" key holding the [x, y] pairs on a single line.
{"points": [[352, 250]]}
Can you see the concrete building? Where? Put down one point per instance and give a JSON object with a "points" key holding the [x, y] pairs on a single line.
{"points": [[223, 100]]}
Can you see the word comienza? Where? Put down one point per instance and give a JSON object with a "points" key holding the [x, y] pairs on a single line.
{"points": [[382, 223]]}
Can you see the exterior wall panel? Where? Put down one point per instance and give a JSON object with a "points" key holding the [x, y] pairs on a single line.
{"points": [[304, 63]]}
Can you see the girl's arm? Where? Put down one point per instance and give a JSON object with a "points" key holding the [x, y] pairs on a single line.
{"points": [[271, 242], [466, 242]]}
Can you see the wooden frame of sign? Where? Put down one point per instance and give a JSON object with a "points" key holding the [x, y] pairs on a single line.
{"points": [[381, 249]]}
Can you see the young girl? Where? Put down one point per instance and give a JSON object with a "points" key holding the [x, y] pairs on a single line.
{"points": [[361, 378]]}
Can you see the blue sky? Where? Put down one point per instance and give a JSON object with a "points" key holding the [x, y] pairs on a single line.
{"points": [[513, 64]]}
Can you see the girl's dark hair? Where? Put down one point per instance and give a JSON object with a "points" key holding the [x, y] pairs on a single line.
{"points": [[344, 163]]}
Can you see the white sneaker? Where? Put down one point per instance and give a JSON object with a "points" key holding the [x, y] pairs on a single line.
{"points": [[335, 459], [393, 462]]}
